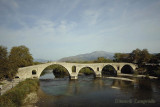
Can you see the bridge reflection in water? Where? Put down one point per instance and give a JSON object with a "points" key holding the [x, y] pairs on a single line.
{"points": [[95, 92]]}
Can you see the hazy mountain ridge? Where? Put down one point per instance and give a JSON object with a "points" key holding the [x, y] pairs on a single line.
{"points": [[88, 56], [40, 60]]}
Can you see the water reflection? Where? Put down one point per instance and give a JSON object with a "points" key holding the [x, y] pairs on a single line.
{"points": [[87, 90]]}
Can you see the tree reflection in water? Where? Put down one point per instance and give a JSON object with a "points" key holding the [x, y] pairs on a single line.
{"points": [[87, 90]]}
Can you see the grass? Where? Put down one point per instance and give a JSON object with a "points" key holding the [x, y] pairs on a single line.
{"points": [[2, 83], [15, 96]]}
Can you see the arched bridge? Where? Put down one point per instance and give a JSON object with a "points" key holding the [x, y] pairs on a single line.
{"points": [[27, 72]]}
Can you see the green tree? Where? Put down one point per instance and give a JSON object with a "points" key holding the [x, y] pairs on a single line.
{"points": [[145, 56], [139, 56], [121, 57], [36, 63], [3, 62], [157, 72], [155, 58], [135, 55], [20, 57], [102, 60], [87, 71]]}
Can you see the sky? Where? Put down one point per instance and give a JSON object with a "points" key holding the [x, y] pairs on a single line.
{"points": [[53, 29]]}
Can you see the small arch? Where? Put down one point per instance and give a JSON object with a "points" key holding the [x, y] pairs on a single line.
{"points": [[73, 68], [127, 69], [16, 76], [109, 70], [86, 71], [97, 68], [34, 72], [117, 67]]}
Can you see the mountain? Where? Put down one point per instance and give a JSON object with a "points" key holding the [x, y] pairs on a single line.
{"points": [[40, 60], [88, 56]]}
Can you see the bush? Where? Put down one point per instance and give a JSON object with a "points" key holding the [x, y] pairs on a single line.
{"points": [[16, 95], [157, 73], [147, 76], [87, 71], [136, 73], [141, 71]]}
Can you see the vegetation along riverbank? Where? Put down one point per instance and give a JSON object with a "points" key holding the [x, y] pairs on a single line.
{"points": [[19, 56], [15, 97]]}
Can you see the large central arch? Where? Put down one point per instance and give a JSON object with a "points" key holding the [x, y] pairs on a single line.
{"points": [[58, 70], [54, 64]]}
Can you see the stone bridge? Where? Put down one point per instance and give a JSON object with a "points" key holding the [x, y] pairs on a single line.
{"points": [[36, 70]]}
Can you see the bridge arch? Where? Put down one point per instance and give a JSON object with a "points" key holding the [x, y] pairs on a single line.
{"points": [[127, 69], [109, 70], [41, 70], [87, 71], [86, 66], [114, 66], [34, 72]]}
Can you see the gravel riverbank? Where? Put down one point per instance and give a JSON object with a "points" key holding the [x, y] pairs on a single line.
{"points": [[31, 100]]}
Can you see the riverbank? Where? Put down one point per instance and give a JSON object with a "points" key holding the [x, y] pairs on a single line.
{"points": [[120, 78], [8, 84], [16, 96], [30, 100], [138, 76], [130, 75]]}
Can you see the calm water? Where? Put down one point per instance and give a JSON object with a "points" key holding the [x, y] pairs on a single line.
{"points": [[90, 92]]}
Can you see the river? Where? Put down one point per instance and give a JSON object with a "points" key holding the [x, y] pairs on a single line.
{"points": [[90, 92]]}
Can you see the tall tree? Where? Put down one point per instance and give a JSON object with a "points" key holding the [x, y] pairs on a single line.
{"points": [[3, 62], [20, 56], [102, 60], [135, 55], [155, 58], [145, 56], [140, 56], [121, 57]]}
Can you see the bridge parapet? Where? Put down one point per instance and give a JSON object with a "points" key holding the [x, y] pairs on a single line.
{"points": [[27, 72]]}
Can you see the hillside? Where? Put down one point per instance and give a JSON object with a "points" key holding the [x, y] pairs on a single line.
{"points": [[88, 56]]}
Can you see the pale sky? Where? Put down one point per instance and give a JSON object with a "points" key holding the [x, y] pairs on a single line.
{"points": [[53, 29]]}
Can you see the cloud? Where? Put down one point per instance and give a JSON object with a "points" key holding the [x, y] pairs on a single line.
{"points": [[78, 26], [70, 7], [65, 27], [10, 4], [91, 16], [43, 31]]}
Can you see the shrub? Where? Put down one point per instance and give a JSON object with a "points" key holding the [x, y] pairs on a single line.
{"points": [[136, 73], [147, 76], [157, 73], [16, 95], [87, 71]]}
